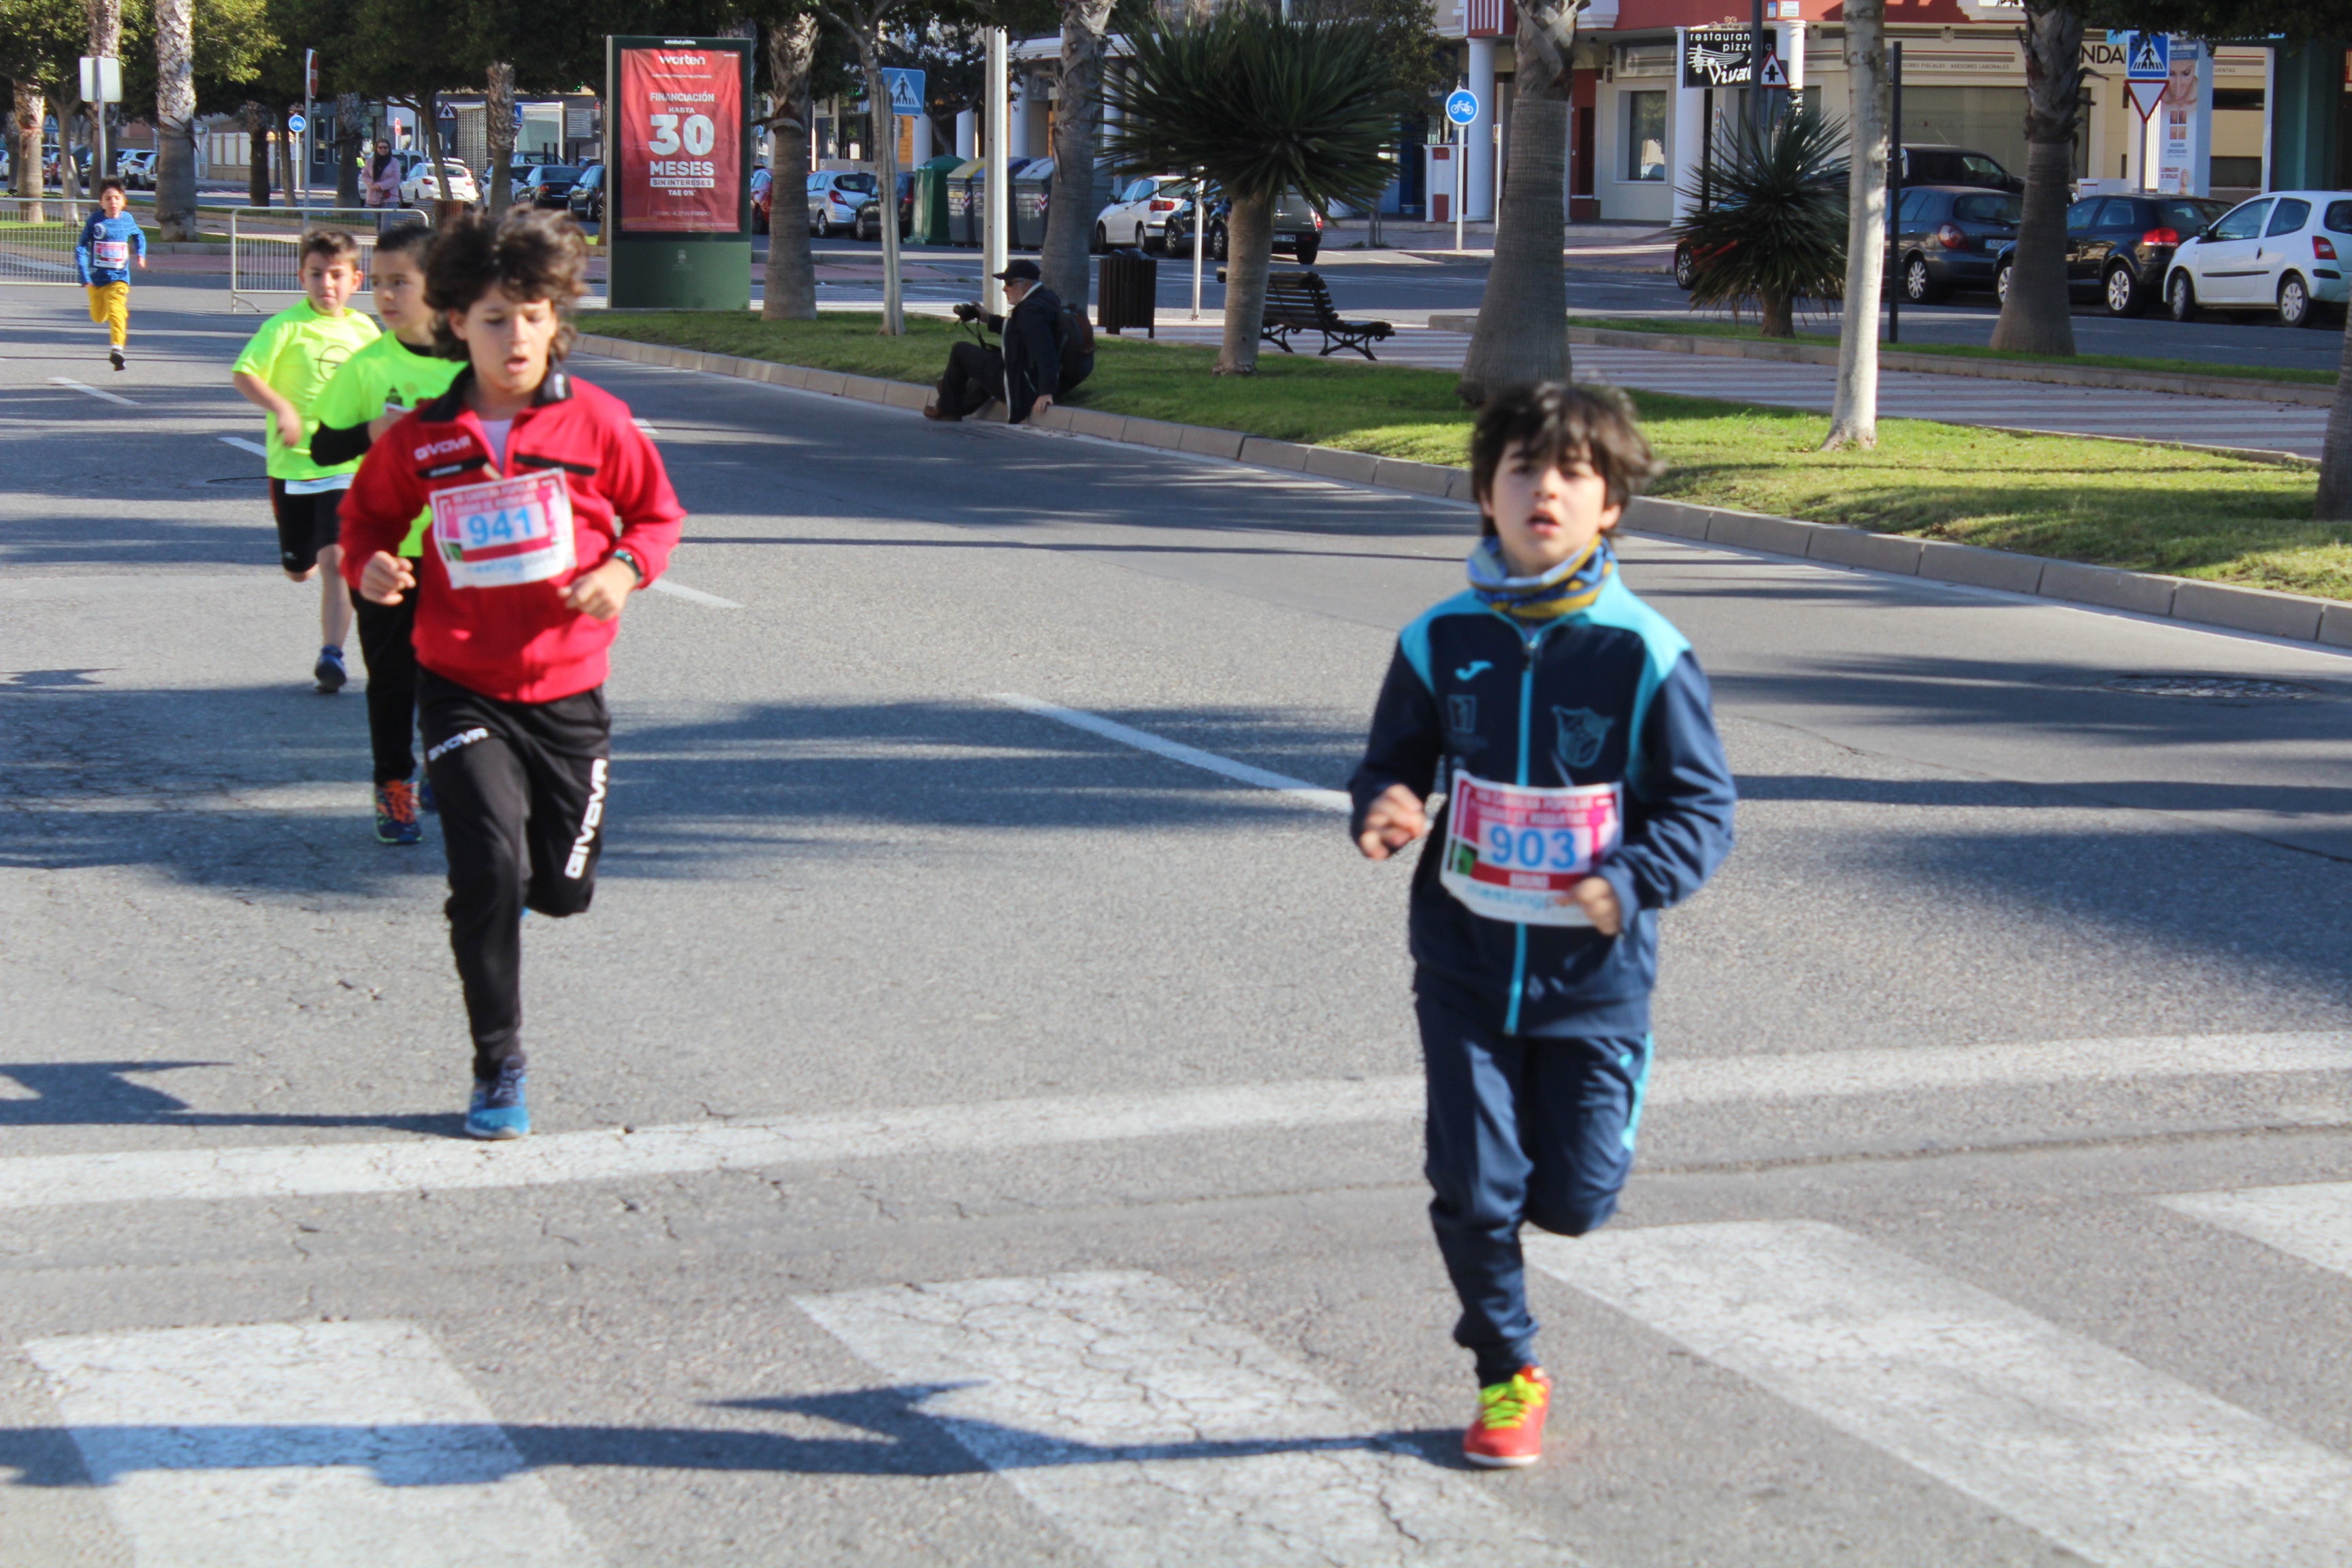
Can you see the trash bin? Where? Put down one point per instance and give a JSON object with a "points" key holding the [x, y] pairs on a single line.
{"points": [[931, 226], [962, 184], [1031, 188], [1126, 293]]}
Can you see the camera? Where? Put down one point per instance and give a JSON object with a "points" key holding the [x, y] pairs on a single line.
{"points": [[967, 311]]}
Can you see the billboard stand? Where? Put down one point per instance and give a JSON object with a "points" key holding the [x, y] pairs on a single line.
{"points": [[678, 201]]}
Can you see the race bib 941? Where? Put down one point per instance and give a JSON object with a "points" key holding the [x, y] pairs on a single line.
{"points": [[502, 532], [1512, 854]]}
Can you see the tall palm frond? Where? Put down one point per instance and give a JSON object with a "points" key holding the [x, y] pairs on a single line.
{"points": [[1770, 224]]}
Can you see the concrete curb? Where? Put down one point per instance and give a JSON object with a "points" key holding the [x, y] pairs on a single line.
{"points": [[2307, 394], [2293, 617]]}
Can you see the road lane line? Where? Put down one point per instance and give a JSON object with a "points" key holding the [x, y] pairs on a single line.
{"points": [[696, 595], [2109, 1458], [242, 444], [610, 1154], [1156, 1437], [1176, 750], [92, 391], [318, 1444], [2312, 1222]]}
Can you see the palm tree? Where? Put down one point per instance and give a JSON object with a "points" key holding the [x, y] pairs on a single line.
{"points": [[2036, 316], [1259, 104], [1521, 338], [498, 124], [176, 119], [1854, 415], [1769, 225], [1078, 112], [864, 21], [790, 294]]}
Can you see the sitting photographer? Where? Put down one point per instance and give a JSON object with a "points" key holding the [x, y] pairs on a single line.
{"points": [[1026, 374]]}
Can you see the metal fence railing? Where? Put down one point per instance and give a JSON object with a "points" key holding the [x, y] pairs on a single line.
{"points": [[265, 247], [37, 239]]}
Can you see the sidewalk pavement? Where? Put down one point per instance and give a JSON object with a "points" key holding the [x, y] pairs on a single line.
{"points": [[2267, 427]]}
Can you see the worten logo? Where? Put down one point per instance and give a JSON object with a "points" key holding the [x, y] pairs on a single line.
{"points": [[434, 449], [577, 866], [683, 59]]}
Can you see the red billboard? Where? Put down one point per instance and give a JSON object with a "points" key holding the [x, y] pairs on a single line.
{"points": [[680, 140]]}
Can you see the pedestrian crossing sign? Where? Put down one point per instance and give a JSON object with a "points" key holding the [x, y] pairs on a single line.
{"points": [[1770, 74], [2149, 57]]}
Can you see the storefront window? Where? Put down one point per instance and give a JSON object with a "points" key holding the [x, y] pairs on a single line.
{"points": [[1645, 135]]}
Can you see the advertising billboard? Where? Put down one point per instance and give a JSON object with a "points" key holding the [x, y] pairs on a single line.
{"points": [[679, 137]]}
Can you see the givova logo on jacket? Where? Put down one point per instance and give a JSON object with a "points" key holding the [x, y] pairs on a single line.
{"points": [[1582, 734]]}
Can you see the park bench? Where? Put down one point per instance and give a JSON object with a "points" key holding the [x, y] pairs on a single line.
{"points": [[1300, 303]]}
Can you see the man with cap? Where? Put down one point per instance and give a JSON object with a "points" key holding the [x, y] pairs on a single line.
{"points": [[1027, 374]]}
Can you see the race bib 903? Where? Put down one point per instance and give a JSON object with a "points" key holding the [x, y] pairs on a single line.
{"points": [[112, 254], [1512, 853], [502, 532]]}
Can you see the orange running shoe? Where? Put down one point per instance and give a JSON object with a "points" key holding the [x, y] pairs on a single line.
{"points": [[1508, 1433]]}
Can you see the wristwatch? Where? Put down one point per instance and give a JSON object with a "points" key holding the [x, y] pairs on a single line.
{"points": [[630, 561]]}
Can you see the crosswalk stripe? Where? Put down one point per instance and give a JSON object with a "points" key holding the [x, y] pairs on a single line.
{"points": [[2312, 1222], [1157, 1436], [317, 1443], [611, 1154], [2107, 1457]]}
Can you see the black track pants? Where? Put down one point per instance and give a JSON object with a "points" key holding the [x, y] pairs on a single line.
{"points": [[974, 374], [387, 641], [521, 786]]}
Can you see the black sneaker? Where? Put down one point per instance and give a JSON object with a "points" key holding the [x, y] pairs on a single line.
{"points": [[114, 356], [329, 672]]}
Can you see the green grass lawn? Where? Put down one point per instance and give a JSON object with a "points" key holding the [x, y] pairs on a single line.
{"points": [[1702, 327], [2112, 503]]}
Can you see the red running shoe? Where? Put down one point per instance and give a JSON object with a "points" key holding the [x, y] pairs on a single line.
{"points": [[1508, 1433]]}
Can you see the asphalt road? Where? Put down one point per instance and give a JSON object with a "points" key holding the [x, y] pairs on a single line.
{"points": [[1024, 1160]]}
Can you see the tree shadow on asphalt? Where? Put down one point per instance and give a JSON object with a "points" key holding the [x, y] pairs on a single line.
{"points": [[102, 1094], [903, 1440]]}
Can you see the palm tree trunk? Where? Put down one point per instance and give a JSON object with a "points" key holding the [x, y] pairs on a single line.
{"points": [[1077, 111], [348, 145], [1522, 334], [2334, 503], [1776, 316], [498, 116], [257, 156], [1853, 416], [105, 39], [1249, 252], [68, 111], [790, 292], [428, 104], [31, 109], [2037, 317]]}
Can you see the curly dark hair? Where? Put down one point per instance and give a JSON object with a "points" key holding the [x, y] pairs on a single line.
{"points": [[1565, 425], [530, 255]]}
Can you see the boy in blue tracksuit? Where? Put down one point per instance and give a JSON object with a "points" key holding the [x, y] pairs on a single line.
{"points": [[102, 256], [1557, 731]]}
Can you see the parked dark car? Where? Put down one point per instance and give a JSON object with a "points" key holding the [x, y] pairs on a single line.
{"points": [[1946, 237], [1941, 164], [868, 222], [2117, 247], [1297, 226], [586, 197], [547, 185]]}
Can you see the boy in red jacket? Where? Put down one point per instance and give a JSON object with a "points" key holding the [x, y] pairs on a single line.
{"points": [[548, 508]]}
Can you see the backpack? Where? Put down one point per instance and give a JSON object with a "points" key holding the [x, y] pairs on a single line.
{"points": [[1073, 336]]}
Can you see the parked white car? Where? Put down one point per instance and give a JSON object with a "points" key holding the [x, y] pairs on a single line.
{"points": [[1137, 214], [835, 196], [421, 187], [2282, 252], [136, 167]]}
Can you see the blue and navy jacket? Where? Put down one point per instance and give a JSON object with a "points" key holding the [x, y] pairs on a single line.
{"points": [[1609, 694], [100, 227]]}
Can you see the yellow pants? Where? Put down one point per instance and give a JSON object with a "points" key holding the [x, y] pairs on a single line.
{"points": [[110, 303]]}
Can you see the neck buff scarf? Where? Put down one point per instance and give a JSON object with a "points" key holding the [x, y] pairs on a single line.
{"points": [[1565, 589]]}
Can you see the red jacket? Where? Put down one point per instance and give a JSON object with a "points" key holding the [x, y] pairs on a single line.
{"points": [[518, 644]]}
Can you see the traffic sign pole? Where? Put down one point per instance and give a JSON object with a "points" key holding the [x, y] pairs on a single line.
{"points": [[1462, 108]]}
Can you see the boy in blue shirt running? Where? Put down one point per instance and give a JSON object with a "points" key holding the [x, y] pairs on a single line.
{"points": [[1560, 731], [102, 258]]}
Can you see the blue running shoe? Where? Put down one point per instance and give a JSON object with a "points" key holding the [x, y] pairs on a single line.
{"points": [[498, 1110], [426, 801], [330, 672]]}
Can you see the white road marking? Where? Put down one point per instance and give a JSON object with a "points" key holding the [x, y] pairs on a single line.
{"points": [[1156, 1437], [2107, 1457], [321, 1444], [43, 1181], [1176, 750], [92, 391], [664, 586], [2312, 1222], [644, 427], [242, 444]]}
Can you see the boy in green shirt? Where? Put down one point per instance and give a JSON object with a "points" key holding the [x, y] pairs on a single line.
{"points": [[396, 373], [282, 371]]}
